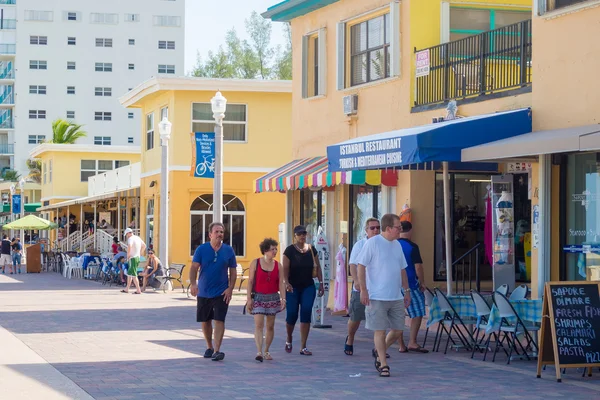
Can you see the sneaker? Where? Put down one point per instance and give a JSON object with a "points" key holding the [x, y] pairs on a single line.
{"points": [[19, 270], [218, 356], [208, 353]]}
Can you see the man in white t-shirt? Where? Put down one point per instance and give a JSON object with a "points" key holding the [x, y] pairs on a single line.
{"points": [[382, 276], [356, 309], [135, 247]]}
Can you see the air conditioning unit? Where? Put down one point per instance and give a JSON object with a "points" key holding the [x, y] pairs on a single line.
{"points": [[351, 104]]}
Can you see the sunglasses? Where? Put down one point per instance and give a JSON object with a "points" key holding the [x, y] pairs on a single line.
{"points": [[301, 233], [216, 255], [372, 228]]}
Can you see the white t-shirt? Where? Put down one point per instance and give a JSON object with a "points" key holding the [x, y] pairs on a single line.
{"points": [[134, 246], [384, 261], [356, 249]]}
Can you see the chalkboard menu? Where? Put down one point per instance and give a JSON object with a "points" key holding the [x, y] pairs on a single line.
{"points": [[571, 321]]}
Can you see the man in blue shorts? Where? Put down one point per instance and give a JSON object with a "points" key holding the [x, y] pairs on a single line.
{"points": [[215, 260], [414, 272]]}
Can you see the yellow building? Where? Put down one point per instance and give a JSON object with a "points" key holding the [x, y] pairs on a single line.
{"points": [[71, 187], [257, 138], [356, 68]]}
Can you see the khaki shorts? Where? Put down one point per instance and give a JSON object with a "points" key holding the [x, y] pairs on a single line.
{"points": [[356, 308], [5, 259], [382, 315]]}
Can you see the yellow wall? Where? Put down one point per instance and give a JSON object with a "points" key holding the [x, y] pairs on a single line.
{"points": [[66, 171], [268, 146]]}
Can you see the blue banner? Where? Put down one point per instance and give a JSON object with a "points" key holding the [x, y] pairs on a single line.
{"points": [[16, 204], [205, 155]]}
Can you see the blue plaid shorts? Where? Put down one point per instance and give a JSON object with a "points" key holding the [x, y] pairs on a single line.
{"points": [[417, 304]]}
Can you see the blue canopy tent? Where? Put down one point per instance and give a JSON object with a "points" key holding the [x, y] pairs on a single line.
{"points": [[428, 143]]}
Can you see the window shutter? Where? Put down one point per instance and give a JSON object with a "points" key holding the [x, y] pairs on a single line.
{"points": [[304, 67], [322, 62], [341, 55], [395, 39]]}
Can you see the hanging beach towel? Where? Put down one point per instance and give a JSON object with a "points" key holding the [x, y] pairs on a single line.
{"points": [[340, 293]]}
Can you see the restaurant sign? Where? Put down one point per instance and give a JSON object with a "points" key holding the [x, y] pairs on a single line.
{"points": [[370, 154]]}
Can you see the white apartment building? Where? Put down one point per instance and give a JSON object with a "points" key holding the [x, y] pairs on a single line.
{"points": [[72, 59]]}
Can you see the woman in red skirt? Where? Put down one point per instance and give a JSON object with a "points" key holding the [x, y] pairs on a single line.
{"points": [[266, 296]]}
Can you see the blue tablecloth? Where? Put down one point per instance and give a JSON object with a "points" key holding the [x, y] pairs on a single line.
{"points": [[88, 259], [463, 305], [528, 310]]}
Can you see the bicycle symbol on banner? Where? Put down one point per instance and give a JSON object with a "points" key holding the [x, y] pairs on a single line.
{"points": [[204, 166]]}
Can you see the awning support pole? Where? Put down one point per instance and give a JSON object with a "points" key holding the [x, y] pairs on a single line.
{"points": [[66, 228], [94, 224], [447, 228], [81, 227], [119, 236], [545, 177]]}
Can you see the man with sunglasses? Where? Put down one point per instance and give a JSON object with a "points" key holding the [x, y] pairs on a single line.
{"points": [[356, 309], [213, 288]]}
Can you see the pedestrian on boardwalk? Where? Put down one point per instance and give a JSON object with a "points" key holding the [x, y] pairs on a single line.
{"points": [[135, 248], [356, 308], [266, 288], [382, 275], [5, 258], [17, 249], [153, 269], [414, 272], [300, 266], [214, 259]]}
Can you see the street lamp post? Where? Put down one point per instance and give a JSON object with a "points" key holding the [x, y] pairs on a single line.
{"points": [[22, 187], [13, 190], [219, 105], [164, 127]]}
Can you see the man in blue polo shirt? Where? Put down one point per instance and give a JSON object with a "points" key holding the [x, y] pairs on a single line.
{"points": [[414, 272], [214, 259]]}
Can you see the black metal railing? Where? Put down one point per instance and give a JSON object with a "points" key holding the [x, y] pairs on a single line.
{"points": [[463, 269], [477, 65]]}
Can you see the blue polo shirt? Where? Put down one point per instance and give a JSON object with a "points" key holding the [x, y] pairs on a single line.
{"points": [[413, 256], [213, 279]]}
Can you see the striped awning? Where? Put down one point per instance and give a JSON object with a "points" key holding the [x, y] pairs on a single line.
{"points": [[313, 172]]}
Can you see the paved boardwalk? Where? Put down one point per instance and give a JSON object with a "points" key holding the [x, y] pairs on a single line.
{"points": [[81, 339]]}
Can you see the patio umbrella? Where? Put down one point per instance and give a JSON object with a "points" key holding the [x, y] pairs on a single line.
{"points": [[30, 222]]}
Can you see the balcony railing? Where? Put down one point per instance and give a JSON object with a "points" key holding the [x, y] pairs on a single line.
{"points": [[8, 48], [482, 64], [6, 120], [6, 96], [6, 70], [7, 148], [8, 23], [8, 2]]}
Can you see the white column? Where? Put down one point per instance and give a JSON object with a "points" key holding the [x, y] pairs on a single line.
{"points": [[545, 179], [66, 228], [119, 215], [164, 202], [218, 181], [81, 227], [95, 223], [447, 228]]}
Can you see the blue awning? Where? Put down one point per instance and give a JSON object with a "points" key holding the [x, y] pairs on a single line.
{"points": [[434, 142], [287, 10]]}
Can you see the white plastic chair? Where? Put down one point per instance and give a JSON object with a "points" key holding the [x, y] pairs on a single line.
{"points": [[66, 260], [483, 310], [76, 267], [520, 293], [452, 320], [507, 313], [503, 289]]}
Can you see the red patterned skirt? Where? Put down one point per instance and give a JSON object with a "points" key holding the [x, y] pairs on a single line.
{"points": [[266, 304]]}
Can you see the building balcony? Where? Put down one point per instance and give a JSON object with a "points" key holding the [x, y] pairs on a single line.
{"points": [[7, 71], [8, 23], [477, 66], [9, 2], [7, 149]]}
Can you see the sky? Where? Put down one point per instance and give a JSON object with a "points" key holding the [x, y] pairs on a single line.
{"points": [[207, 21]]}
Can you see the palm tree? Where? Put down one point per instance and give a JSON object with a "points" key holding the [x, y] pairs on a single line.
{"points": [[11, 175], [35, 170], [66, 132]]}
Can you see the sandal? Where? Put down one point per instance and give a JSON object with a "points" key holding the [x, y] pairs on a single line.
{"points": [[384, 372], [403, 351], [268, 356], [418, 349], [374, 353], [348, 348], [288, 347], [377, 364], [305, 352], [259, 357]]}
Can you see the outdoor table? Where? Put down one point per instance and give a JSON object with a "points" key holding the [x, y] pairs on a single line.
{"points": [[463, 305], [528, 310]]}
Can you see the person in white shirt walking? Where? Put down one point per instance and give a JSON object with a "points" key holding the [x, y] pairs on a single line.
{"points": [[135, 248], [382, 276], [356, 309]]}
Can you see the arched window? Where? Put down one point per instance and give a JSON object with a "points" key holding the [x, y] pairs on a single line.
{"points": [[234, 219]]}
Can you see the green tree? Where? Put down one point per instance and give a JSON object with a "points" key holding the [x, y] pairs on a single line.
{"points": [[66, 132], [282, 68], [35, 170], [217, 65], [11, 175], [259, 30]]}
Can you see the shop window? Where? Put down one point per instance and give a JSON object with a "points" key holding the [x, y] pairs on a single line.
{"points": [[149, 223], [234, 220], [370, 50], [313, 205], [365, 202]]}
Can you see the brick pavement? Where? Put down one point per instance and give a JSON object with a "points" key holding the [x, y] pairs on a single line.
{"points": [[118, 346]]}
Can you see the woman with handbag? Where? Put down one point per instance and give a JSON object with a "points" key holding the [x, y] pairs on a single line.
{"points": [[265, 298], [300, 266]]}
